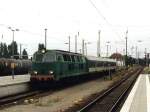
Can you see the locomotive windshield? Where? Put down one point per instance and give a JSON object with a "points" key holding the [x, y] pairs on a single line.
{"points": [[49, 57], [44, 57]]}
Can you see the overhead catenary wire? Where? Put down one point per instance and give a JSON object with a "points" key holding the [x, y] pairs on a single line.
{"points": [[103, 17], [32, 33]]}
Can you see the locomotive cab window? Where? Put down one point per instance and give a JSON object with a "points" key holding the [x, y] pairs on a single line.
{"points": [[38, 57]]}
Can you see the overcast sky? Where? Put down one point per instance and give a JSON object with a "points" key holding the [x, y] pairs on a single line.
{"points": [[68, 17]]}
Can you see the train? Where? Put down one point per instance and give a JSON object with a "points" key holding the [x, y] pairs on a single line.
{"points": [[55, 65], [14, 66]]}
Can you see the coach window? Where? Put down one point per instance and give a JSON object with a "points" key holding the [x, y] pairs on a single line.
{"points": [[99, 64], [111, 64], [103, 63]]}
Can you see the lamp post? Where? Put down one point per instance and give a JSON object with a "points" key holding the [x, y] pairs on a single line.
{"points": [[138, 53], [45, 38], [132, 49], [83, 45], [75, 43], [13, 31], [80, 51], [21, 55], [86, 43], [68, 47], [107, 48], [13, 52], [20, 51], [68, 43], [98, 44], [126, 56]]}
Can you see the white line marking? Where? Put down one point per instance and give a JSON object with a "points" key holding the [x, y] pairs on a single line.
{"points": [[128, 102], [148, 93]]}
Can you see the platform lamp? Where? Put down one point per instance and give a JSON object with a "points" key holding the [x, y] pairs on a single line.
{"points": [[13, 64]]}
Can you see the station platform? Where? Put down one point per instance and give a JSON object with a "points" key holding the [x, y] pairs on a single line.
{"points": [[10, 80], [139, 97], [10, 85]]}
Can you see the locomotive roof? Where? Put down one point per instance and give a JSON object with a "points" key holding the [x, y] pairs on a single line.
{"points": [[62, 51], [93, 58]]}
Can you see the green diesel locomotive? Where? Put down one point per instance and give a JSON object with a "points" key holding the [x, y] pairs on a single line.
{"points": [[57, 64]]}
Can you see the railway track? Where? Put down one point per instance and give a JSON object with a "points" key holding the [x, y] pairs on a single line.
{"points": [[36, 93], [112, 98], [15, 99], [33, 94]]}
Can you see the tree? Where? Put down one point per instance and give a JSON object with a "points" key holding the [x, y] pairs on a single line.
{"points": [[5, 51], [117, 56], [9, 51], [1, 50], [25, 54], [41, 47], [11, 47]]}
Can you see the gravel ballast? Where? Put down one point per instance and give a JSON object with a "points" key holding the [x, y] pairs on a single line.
{"points": [[60, 101]]}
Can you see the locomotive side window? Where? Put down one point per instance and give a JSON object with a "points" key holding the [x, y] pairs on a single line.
{"points": [[78, 59], [72, 58], [66, 57], [75, 58], [59, 57], [83, 59]]}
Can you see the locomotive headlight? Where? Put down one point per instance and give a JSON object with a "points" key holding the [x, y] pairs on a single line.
{"points": [[43, 51], [35, 72], [51, 72]]}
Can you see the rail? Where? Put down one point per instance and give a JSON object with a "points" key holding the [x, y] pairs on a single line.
{"points": [[107, 92]]}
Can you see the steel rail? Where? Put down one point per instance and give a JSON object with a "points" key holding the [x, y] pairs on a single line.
{"points": [[117, 103], [89, 105], [18, 97]]}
